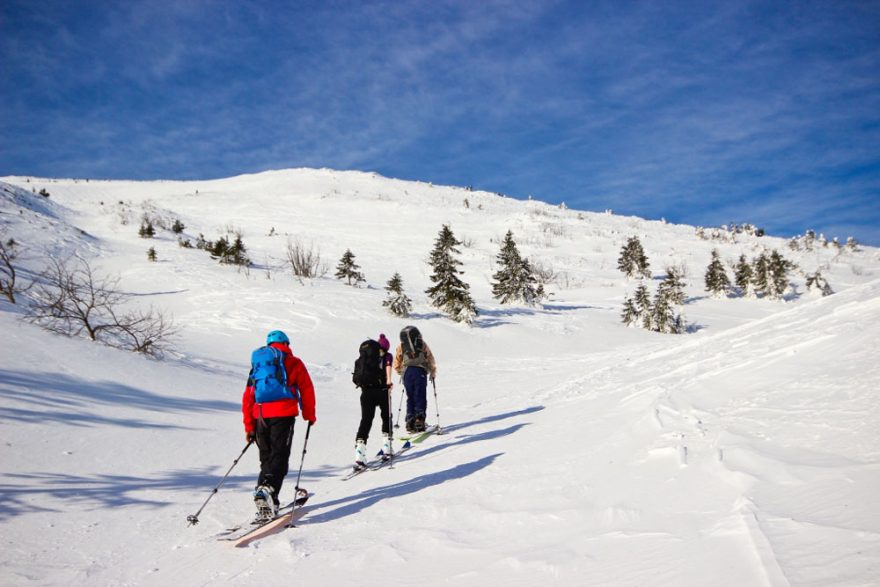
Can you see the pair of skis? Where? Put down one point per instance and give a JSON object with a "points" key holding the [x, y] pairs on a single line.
{"points": [[380, 461]]}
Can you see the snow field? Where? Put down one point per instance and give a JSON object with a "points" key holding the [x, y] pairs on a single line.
{"points": [[576, 451]]}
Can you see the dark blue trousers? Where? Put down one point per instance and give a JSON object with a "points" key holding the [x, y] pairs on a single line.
{"points": [[415, 381]]}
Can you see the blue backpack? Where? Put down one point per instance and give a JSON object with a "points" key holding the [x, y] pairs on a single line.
{"points": [[269, 375]]}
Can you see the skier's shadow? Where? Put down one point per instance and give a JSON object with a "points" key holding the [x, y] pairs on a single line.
{"points": [[490, 419], [347, 506], [461, 439]]}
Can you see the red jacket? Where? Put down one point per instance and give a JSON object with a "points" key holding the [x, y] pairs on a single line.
{"points": [[300, 383]]}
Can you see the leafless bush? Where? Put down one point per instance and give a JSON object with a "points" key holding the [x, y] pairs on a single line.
{"points": [[305, 261], [543, 273], [70, 299], [7, 269], [554, 229]]}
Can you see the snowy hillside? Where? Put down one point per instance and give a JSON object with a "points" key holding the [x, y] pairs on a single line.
{"points": [[576, 450]]}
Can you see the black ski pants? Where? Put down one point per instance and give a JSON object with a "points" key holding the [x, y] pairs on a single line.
{"points": [[370, 398], [274, 437]]}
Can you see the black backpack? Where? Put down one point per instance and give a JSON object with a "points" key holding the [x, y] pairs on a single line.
{"points": [[411, 341], [369, 368]]}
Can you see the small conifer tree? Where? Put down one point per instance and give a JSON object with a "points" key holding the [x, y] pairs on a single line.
{"points": [[236, 253], [761, 273], [664, 317], [717, 282], [178, 227], [347, 269], [643, 307], [514, 280], [629, 315], [151, 255], [673, 286], [777, 282], [397, 302], [449, 293], [147, 230], [817, 282], [742, 275], [633, 261], [219, 249]]}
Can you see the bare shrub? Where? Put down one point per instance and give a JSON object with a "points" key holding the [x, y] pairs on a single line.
{"points": [[305, 261], [8, 254], [70, 299], [543, 273]]}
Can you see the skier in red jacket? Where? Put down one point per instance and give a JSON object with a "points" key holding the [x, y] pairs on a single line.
{"points": [[270, 424]]}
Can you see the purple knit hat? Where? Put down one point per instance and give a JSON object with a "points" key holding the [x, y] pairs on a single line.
{"points": [[383, 342]]}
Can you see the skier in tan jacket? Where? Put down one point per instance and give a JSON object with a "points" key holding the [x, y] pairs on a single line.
{"points": [[414, 361]]}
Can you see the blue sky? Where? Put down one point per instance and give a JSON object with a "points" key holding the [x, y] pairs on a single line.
{"points": [[700, 112]]}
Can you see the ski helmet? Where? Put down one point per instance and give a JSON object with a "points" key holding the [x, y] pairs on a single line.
{"points": [[277, 336]]}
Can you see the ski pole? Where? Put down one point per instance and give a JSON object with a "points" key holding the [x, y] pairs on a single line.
{"points": [[301, 494], [390, 433], [193, 519], [399, 408], [437, 406]]}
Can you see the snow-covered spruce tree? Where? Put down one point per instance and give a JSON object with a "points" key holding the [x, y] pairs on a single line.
{"points": [[151, 255], [761, 273], [236, 254], [778, 282], [146, 230], [218, 250], [229, 254], [347, 269], [629, 315], [717, 282], [742, 276], [817, 282], [673, 285], [644, 310], [664, 318], [449, 293], [633, 261], [397, 302], [514, 281]]}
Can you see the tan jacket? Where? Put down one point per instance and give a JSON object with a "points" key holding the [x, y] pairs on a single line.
{"points": [[429, 365]]}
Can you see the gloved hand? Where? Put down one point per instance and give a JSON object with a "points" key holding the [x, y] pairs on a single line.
{"points": [[249, 437]]}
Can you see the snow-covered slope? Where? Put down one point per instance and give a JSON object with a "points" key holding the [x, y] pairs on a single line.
{"points": [[576, 451]]}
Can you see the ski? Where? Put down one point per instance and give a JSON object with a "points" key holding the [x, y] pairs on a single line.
{"points": [[278, 524], [240, 530], [417, 437], [370, 465], [408, 442]]}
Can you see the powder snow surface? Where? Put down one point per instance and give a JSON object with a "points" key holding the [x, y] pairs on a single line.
{"points": [[575, 451]]}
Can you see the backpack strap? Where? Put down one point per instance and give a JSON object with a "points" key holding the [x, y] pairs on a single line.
{"points": [[279, 361]]}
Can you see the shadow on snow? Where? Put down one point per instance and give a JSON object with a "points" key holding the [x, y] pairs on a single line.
{"points": [[64, 399], [347, 506], [97, 492]]}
